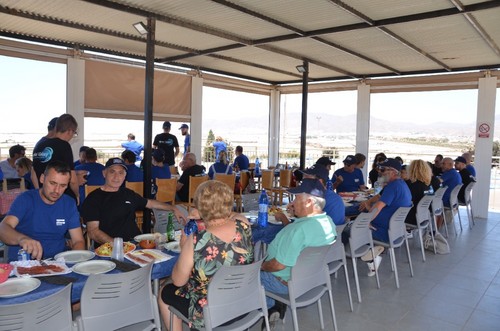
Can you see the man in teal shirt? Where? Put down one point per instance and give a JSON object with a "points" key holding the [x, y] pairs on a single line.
{"points": [[311, 228]]}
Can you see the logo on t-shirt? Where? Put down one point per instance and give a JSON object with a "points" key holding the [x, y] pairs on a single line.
{"points": [[168, 142], [45, 155], [128, 202], [60, 221]]}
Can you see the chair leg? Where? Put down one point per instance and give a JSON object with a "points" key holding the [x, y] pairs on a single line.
{"points": [[376, 268], [392, 255], [409, 256], [445, 225], [320, 313], [332, 307], [459, 218], [356, 278], [295, 318], [348, 285], [422, 243]]}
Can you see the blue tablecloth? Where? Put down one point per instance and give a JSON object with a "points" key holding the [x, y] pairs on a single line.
{"points": [[160, 270], [267, 234]]}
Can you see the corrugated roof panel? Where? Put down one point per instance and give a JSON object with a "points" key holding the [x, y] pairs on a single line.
{"points": [[490, 21], [381, 9], [449, 39]]}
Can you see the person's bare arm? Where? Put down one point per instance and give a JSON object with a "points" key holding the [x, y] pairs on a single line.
{"points": [[34, 179], [176, 151], [77, 241], [96, 234], [179, 186], [9, 236], [376, 208], [165, 206], [272, 265], [185, 263]]}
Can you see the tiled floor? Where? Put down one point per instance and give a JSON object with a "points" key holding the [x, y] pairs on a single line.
{"points": [[458, 291]]}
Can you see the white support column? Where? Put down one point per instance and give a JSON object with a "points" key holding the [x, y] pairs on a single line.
{"points": [[274, 127], [486, 98], [75, 99], [363, 123], [196, 116]]}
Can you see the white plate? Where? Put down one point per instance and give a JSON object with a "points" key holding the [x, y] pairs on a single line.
{"points": [[93, 267], [147, 256], [173, 246], [18, 286], [19, 272], [146, 236], [75, 256]]}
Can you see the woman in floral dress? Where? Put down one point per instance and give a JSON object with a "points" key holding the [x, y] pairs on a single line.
{"points": [[221, 241]]}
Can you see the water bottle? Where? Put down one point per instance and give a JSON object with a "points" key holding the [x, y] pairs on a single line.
{"points": [[329, 185], [263, 203], [117, 253], [257, 167], [170, 227], [377, 187]]}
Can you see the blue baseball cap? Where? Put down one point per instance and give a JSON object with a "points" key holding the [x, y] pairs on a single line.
{"points": [[317, 170], [391, 163], [350, 160], [309, 186]]}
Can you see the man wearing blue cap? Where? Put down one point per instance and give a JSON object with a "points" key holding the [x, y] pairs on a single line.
{"points": [[187, 138], [168, 143], [349, 178], [311, 228]]}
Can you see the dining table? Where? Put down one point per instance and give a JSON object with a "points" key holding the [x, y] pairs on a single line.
{"points": [[47, 286]]}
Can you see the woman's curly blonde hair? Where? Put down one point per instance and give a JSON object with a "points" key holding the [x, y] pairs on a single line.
{"points": [[214, 200], [420, 170]]}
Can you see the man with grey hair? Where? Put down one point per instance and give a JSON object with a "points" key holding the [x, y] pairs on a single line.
{"points": [[468, 159], [311, 228], [189, 168]]}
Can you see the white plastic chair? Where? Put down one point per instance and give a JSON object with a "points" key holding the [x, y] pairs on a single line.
{"points": [[233, 291], [360, 243], [113, 301], [454, 207], [309, 281], [397, 237], [438, 208], [50, 313], [468, 203], [423, 221], [336, 259]]}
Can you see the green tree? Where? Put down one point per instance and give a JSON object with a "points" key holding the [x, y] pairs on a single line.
{"points": [[208, 151]]}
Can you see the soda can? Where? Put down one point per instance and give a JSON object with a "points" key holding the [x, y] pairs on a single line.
{"points": [[22, 255]]}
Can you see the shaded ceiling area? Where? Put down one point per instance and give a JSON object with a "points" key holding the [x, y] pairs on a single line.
{"points": [[264, 40]]}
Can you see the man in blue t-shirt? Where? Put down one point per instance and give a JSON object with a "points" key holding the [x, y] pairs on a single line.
{"points": [[134, 173], [468, 165], [219, 146], [39, 219], [241, 161], [449, 178], [187, 138], [92, 172], [132, 145], [349, 178]]}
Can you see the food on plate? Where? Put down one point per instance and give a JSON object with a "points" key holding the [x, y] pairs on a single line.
{"points": [[40, 269], [273, 210], [5, 270], [147, 244], [106, 249], [136, 258]]}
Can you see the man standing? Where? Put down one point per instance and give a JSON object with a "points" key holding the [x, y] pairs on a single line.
{"points": [[9, 166], [133, 146], [187, 138], [219, 146], [311, 228], [109, 211], [449, 178], [467, 177], [349, 178], [189, 168], [39, 219], [241, 161], [51, 131], [469, 166], [168, 143], [57, 148]]}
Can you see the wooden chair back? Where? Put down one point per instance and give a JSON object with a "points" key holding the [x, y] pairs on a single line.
{"points": [[285, 177], [229, 180], [244, 180], [137, 187], [194, 182], [166, 190], [90, 188], [267, 179]]}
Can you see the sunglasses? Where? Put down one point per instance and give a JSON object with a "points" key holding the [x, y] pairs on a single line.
{"points": [[383, 169]]}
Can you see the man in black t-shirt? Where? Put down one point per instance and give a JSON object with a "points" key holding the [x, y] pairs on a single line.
{"points": [[189, 168], [109, 211], [467, 178], [57, 149], [168, 143]]}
